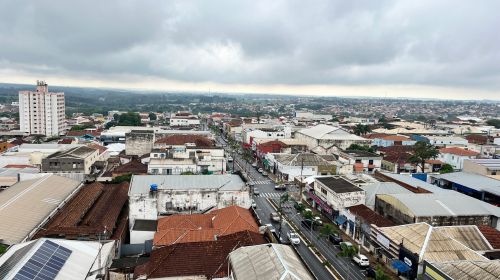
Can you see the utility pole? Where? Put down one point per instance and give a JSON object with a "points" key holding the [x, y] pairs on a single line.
{"points": [[301, 179]]}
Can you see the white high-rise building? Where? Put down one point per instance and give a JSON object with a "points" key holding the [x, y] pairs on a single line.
{"points": [[42, 112]]}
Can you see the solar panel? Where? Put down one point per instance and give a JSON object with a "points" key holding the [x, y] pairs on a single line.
{"points": [[45, 263]]}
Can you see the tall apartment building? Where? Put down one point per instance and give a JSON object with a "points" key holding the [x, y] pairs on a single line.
{"points": [[42, 112]]}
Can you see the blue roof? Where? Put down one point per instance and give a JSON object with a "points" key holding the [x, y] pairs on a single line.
{"points": [[400, 266]]}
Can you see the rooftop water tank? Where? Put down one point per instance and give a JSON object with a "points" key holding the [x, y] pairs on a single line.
{"points": [[153, 187]]}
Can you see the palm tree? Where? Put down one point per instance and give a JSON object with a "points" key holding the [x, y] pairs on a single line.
{"points": [[361, 129]]}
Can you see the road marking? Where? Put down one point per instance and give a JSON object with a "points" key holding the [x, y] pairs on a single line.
{"points": [[263, 182]]}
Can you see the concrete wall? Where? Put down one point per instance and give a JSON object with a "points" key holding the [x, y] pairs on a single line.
{"points": [[138, 143], [139, 237]]}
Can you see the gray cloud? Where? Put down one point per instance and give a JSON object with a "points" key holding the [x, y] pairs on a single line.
{"points": [[443, 43]]}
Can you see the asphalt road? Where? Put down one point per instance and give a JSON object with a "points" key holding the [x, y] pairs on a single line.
{"points": [[345, 267]]}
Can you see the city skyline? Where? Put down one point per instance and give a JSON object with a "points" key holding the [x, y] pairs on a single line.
{"points": [[386, 49]]}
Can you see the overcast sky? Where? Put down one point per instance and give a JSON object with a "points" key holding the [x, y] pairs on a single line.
{"points": [[443, 49]]}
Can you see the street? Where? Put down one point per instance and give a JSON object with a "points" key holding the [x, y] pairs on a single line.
{"points": [[345, 267]]}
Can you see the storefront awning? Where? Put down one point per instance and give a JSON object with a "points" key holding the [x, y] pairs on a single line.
{"points": [[400, 266], [341, 220], [265, 162]]}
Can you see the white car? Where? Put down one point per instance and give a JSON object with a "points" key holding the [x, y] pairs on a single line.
{"points": [[318, 221], [260, 170], [264, 173], [229, 159], [294, 238], [270, 227], [254, 204], [361, 260]]}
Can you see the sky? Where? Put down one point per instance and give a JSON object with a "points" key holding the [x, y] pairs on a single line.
{"points": [[429, 49]]}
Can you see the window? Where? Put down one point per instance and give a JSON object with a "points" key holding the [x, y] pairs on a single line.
{"points": [[370, 161], [325, 192]]}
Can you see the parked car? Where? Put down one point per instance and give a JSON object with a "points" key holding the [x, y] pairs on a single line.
{"points": [[275, 217], [265, 173], [361, 260], [229, 159], [345, 243], [254, 164], [260, 170], [254, 204], [317, 220], [335, 238], [256, 191], [280, 187], [297, 205], [294, 238], [308, 224], [370, 272]]}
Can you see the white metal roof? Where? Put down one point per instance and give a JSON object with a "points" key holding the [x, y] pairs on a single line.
{"points": [[473, 181], [268, 261], [407, 179], [372, 190], [323, 131], [25, 205], [140, 184], [491, 164], [81, 262]]}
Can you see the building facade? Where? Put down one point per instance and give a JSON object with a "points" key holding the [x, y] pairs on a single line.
{"points": [[42, 112]]}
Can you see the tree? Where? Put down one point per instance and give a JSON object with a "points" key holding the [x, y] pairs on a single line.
{"points": [[494, 122], [129, 119], [423, 151], [446, 168], [326, 230], [347, 251], [357, 147], [380, 275], [152, 117], [187, 173], [122, 178], [361, 129], [308, 215]]}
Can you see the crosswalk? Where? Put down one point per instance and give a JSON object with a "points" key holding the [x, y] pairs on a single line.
{"points": [[262, 182], [271, 195]]}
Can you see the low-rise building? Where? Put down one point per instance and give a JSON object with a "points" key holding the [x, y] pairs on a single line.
{"points": [[276, 261], [151, 196], [362, 161], [462, 270], [57, 259], [289, 166], [139, 142], [181, 119], [445, 141], [486, 167], [324, 139], [75, 160], [332, 194], [281, 132], [392, 140], [455, 156]]}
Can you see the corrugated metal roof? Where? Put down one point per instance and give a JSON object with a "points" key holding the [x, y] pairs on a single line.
{"points": [[491, 164], [406, 179], [26, 204], [140, 184], [268, 261], [323, 131], [372, 190], [471, 270], [473, 181]]}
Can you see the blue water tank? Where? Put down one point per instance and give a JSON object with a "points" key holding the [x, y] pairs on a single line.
{"points": [[153, 187]]}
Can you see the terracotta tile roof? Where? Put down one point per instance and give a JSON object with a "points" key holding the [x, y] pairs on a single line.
{"points": [[180, 139], [65, 141], [98, 147], [396, 138], [207, 258], [18, 166], [375, 135], [458, 151], [203, 227], [434, 161], [492, 235], [131, 167], [95, 207], [369, 216]]}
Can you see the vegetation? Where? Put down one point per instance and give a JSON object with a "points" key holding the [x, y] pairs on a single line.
{"points": [[347, 251], [358, 147], [326, 230], [3, 249], [446, 168], [423, 151], [122, 178], [361, 129], [187, 173], [494, 122], [307, 214], [81, 127], [125, 119], [152, 116]]}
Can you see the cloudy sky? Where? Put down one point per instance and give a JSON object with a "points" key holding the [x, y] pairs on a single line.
{"points": [[442, 49]]}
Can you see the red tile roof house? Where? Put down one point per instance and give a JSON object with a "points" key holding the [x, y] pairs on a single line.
{"points": [[196, 260], [180, 140], [134, 166], [455, 156], [363, 218], [204, 227]]}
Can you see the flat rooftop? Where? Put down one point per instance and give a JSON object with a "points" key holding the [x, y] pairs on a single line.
{"points": [[338, 184]]}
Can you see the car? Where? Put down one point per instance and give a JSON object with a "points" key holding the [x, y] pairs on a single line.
{"points": [[271, 228], [280, 187], [297, 205], [345, 243], [254, 204], [254, 164], [275, 217], [229, 159], [361, 260], [264, 173], [370, 272], [318, 221], [308, 224], [260, 170], [256, 191], [335, 238], [293, 237]]}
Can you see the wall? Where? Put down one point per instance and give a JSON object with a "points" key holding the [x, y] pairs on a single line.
{"points": [[339, 201], [139, 237], [142, 207], [139, 143]]}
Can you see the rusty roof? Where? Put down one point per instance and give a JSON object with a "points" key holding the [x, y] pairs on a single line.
{"points": [[204, 227], [492, 235], [134, 167], [370, 216], [458, 151], [94, 208], [183, 139], [208, 258]]}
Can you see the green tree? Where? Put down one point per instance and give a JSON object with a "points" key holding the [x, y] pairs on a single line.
{"points": [[308, 215], [152, 116], [494, 122], [326, 230], [357, 147], [446, 168], [187, 173], [122, 178], [129, 119], [380, 275], [347, 251], [423, 151], [361, 129]]}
